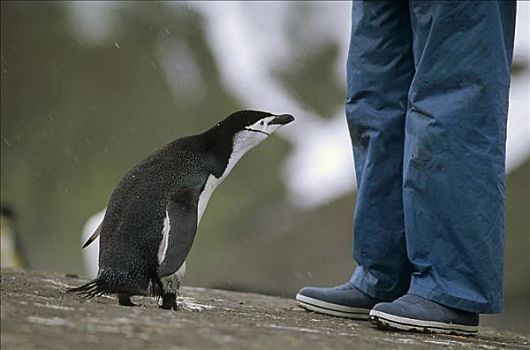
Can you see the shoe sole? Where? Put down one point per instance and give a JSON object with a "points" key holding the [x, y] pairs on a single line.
{"points": [[324, 307], [384, 320]]}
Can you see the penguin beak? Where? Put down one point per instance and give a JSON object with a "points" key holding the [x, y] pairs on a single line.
{"points": [[282, 119]]}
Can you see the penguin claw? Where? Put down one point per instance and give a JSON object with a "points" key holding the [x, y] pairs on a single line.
{"points": [[169, 307], [125, 300], [169, 302]]}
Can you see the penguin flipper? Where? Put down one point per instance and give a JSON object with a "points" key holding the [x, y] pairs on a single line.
{"points": [[93, 237], [182, 209]]}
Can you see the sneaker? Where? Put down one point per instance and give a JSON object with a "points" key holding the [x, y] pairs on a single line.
{"points": [[342, 301], [414, 313]]}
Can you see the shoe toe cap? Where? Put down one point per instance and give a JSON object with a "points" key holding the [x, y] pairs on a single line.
{"points": [[312, 292]]}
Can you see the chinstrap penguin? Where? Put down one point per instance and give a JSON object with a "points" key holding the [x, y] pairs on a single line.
{"points": [[153, 214]]}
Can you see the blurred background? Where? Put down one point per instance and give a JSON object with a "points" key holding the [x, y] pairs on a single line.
{"points": [[88, 89]]}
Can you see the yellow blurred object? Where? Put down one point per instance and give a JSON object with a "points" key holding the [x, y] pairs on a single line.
{"points": [[10, 253]]}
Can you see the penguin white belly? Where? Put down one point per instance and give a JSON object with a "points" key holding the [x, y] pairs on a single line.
{"points": [[211, 184]]}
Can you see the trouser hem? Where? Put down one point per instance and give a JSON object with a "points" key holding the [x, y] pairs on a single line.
{"points": [[360, 282], [454, 301]]}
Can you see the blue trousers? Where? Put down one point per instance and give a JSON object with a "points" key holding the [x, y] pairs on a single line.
{"points": [[427, 104]]}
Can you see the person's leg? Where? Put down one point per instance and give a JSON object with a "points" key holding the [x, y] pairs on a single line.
{"points": [[379, 71], [455, 152], [453, 182]]}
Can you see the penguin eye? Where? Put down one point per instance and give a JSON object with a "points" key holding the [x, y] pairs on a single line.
{"points": [[261, 123]]}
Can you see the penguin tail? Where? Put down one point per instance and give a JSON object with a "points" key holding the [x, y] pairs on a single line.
{"points": [[92, 289], [111, 281]]}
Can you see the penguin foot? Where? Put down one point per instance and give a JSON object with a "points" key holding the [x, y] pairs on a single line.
{"points": [[169, 302], [125, 300]]}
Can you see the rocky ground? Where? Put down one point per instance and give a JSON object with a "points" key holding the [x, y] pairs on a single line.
{"points": [[38, 313]]}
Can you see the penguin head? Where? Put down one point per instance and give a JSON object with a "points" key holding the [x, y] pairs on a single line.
{"points": [[246, 129], [260, 122], [243, 130], [249, 128]]}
